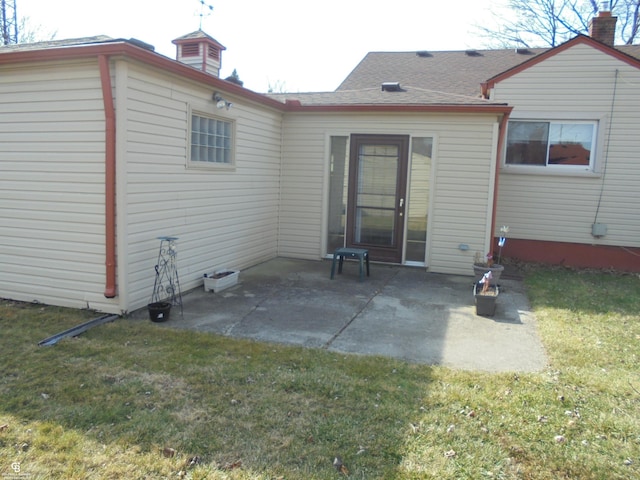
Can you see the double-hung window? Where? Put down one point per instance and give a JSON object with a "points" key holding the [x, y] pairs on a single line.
{"points": [[211, 141], [558, 144]]}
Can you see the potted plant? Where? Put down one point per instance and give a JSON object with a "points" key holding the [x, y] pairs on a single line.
{"points": [[159, 311], [483, 265], [486, 295]]}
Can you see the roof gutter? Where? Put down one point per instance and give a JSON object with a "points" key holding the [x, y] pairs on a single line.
{"points": [[109, 178], [296, 106]]}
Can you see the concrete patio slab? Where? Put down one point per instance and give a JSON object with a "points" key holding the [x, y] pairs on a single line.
{"points": [[401, 312]]}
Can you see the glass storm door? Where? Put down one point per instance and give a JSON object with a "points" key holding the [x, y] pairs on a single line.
{"points": [[377, 188]]}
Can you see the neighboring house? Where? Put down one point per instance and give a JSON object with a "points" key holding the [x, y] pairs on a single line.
{"points": [[106, 145]]}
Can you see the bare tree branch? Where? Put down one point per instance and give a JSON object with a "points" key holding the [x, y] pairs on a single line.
{"points": [[547, 23], [29, 33]]}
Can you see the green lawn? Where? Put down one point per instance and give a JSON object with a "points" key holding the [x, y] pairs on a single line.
{"points": [[133, 399]]}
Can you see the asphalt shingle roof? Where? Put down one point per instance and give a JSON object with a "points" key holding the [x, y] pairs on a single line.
{"points": [[69, 42], [457, 72], [453, 72]]}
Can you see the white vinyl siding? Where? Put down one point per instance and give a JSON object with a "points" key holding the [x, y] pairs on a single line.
{"points": [[226, 218], [52, 185], [461, 190], [577, 83]]}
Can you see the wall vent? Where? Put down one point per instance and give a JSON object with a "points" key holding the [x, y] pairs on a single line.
{"points": [[213, 52], [190, 49]]}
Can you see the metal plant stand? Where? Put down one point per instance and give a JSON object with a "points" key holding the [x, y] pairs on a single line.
{"points": [[167, 284]]}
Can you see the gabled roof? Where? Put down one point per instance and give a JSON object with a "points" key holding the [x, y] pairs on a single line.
{"points": [[629, 54], [457, 72]]}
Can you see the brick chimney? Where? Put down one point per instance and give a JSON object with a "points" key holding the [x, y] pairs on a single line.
{"points": [[200, 51], [603, 27]]}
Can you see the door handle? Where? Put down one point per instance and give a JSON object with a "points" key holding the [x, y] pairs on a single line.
{"points": [[401, 202]]}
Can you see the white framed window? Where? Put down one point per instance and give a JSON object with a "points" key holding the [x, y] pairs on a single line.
{"points": [[212, 140], [559, 145]]}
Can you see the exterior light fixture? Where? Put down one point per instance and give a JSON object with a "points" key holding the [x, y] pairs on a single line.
{"points": [[220, 101]]}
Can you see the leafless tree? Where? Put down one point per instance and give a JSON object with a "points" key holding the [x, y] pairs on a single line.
{"points": [[547, 23], [279, 86], [29, 33]]}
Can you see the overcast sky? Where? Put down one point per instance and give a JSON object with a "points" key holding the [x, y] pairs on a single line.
{"points": [[292, 45]]}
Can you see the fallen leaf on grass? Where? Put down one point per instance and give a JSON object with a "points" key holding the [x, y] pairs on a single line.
{"points": [[168, 452], [337, 463], [192, 462], [4, 427], [450, 454], [231, 465]]}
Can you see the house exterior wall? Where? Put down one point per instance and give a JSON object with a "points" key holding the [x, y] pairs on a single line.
{"points": [[223, 217], [52, 183], [52, 153], [577, 83], [461, 178]]}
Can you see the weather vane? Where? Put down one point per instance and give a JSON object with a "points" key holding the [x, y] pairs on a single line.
{"points": [[205, 11]]}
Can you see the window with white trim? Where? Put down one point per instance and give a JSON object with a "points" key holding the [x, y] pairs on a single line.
{"points": [[211, 140], [557, 144]]}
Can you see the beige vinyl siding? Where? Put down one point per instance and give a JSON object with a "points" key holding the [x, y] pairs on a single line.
{"points": [[578, 82], [225, 217], [461, 181], [52, 185]]}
